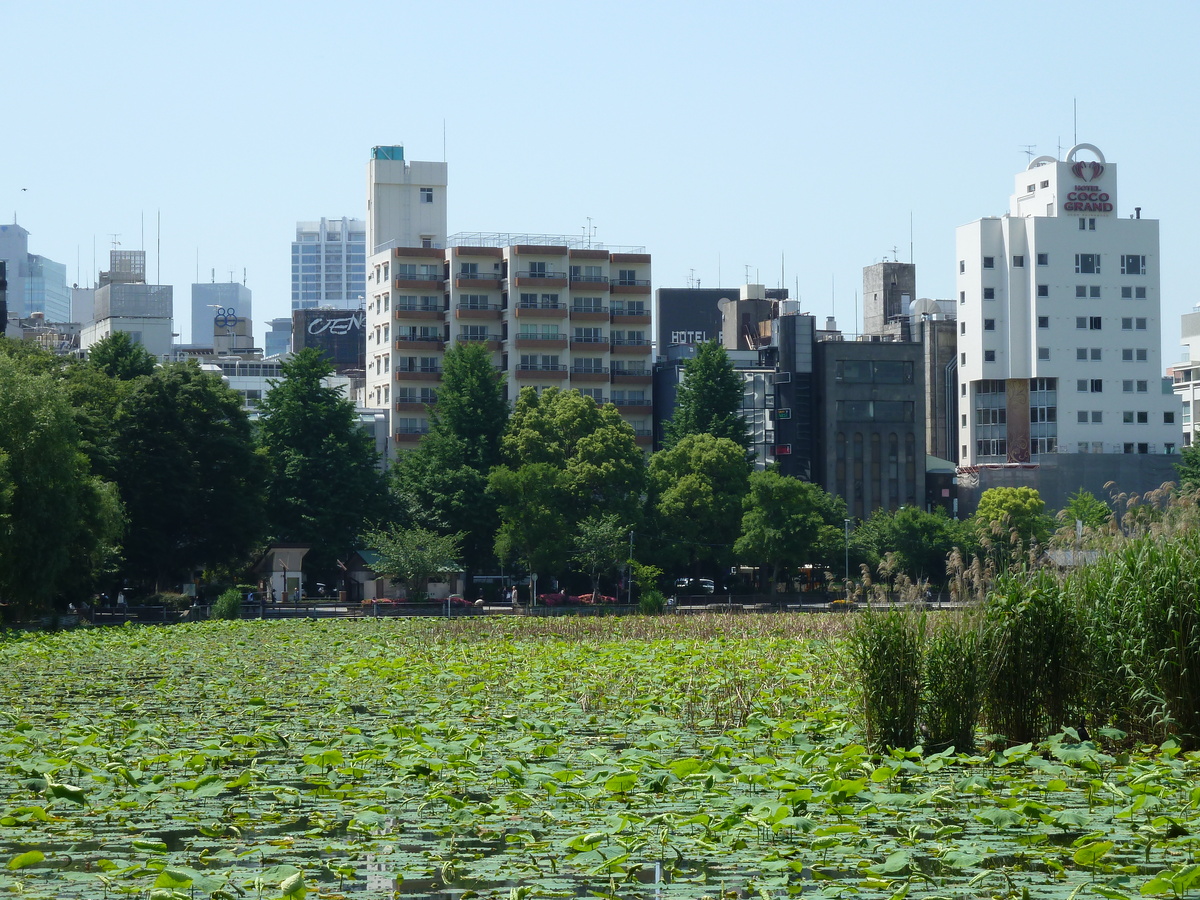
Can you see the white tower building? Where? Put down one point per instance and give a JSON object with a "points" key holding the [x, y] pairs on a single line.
{"points": [[1059, 324], [329, 264]]}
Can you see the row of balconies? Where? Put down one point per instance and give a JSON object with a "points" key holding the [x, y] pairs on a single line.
{"points": [[635, 347], [643, 436], [525, 372], [495, 312], [526, 278], [641, 407]]}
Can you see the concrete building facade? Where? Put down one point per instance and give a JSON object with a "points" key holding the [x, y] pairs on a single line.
{"points": [[1059, 331], [214, 305], [125, 302], [329, 264]]}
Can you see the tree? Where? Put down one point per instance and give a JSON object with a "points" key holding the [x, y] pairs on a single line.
{"points": [[192, 483], [1188, 467], [1013, 511], [413, 555], [443, 482], [710, 399], [59, 524], [324, 484], [783, 522], [565, 459], [695, 498], [600, 546], [919, 541], [118, 356], [1084, 506]]}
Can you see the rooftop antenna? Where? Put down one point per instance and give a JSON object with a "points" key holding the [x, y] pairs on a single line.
{"points": [[782, 276], [115, 242], [142, 246], [746, 266], [591, 231], [895, 253], [158, 249], [213, 276], [231, 276], [243, 276], [910, 237], [1028, 151], [1075, 118]]}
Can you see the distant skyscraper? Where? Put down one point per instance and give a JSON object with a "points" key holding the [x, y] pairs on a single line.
{"points": [[329, 264], [278, 340], [35, 284], [207, 299]]}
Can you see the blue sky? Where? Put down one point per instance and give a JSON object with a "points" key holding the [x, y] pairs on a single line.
{"points": [[796, 136]]}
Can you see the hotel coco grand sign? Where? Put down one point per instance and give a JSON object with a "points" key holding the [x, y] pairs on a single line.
{"points": [[1087, 194]]}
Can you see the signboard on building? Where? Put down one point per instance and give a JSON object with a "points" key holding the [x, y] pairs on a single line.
{"points": [[339, 333]]}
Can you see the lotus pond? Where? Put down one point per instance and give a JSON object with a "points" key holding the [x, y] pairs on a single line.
{"points": [[638, 757]]}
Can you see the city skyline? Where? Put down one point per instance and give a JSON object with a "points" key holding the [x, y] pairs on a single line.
{"points": [[789, 145]]}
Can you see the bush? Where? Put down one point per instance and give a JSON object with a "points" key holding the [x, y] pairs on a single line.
{"points": [[954, 677], [228, 605], [170, 601], [887, 648], [652, 603]]}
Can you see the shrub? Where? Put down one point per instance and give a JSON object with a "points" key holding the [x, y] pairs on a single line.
{"points": [[953, 683], [652, 603], [886, 646], [228, 605]]}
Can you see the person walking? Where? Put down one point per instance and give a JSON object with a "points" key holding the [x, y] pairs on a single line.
{"points": [[516, 599]]}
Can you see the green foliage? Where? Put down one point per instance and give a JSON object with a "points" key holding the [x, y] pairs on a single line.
{"points": [[695, 499], [1084, 506], [954, 675], [600, 546], [920, 541], [188, 472], [651, 603], [59, 524], [709, 399], [442, 484], [783, 522], [1036, 649], [887, 647], [228, 605], [118, 356], [324, 483], [1012, 516], [414, 555], [1188, 467], [565, 460]]}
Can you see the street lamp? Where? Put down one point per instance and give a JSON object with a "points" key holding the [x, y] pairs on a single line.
{"points": [[846, 522]]}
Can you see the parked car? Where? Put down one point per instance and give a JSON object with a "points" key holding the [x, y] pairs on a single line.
{"points": [[694, 586]]}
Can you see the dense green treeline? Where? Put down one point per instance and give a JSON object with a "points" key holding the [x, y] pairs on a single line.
{"points": [[119, 473]]}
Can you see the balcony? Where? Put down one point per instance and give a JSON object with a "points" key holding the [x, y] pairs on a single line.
{"points": [[418, 283], [530, 278], [589, 282], [638, 315], [477, 281], [410, 435], [631, 376], [643, 436], [627, 346], [414, 405], [541, 342], [491, 341], [586, 343], [406, 343], [542, 311], [424, 373], [589, 373], [589, 313], [488, 311], [419, 312], [527, 371], [639, 406], [631, 286]]}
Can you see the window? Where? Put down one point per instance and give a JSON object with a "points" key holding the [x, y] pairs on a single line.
{"points": [[1087, 263], [1127, 323], [1141, 354], [1045, 184], [1139, 293], [1081, 321], [962, 296], [962, 327], [1018, 262], [1081, 385], [1082, 417], [1095, 354], [1029, 188], [468, 268], [962, 359], [1043, 353], [427, 195], [989, 324], [1140, 324], [962, 266], [1094, 323], [1127, 448], [1043, 290], [989, 293], [1143, 417], [1127, 386], [1127, 417], [1142, 386], [626, 276], [1043, 321], [1143, 448], [1081, 353], [989, 262], [1094, 291], [1168, 418], [1097, 385], [989, 355], [1097, 416], [1081, 290], [537, 270], [1133, 265]]}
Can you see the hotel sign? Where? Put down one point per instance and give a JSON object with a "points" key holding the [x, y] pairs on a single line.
{"points": [[1086, 196]]}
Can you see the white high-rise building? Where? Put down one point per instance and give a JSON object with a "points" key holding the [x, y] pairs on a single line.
{"points": [[329, 264], [1059, 326], [406, 202]]}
